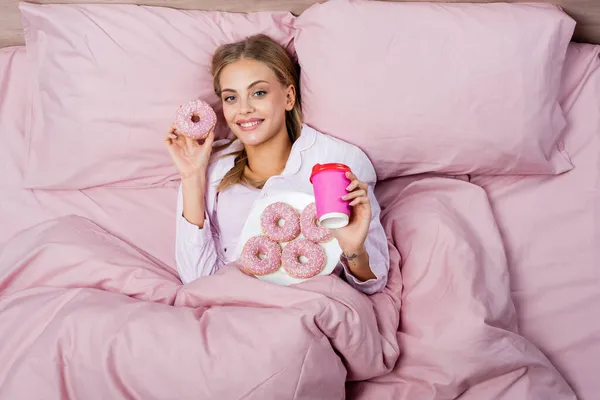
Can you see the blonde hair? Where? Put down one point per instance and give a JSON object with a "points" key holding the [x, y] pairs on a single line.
{"points": [[264, 49]]}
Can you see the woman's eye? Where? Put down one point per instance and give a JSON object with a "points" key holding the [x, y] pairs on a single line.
{"points": [[229, 98], [260, 93]]}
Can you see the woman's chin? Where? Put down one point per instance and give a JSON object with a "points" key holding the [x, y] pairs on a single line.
{"points": [[251, 138]]}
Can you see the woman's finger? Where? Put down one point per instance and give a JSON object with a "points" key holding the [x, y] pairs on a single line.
{"points": [[210, 138], [356, 184], [354, 194], [169, 139], [359, 200], [173, 131], [173, 151], [353, 185], [178, 134]]}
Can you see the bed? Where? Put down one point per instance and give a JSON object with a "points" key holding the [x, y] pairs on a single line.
{"points": [[494, 285]]}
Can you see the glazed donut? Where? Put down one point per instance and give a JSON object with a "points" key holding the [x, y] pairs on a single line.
{"points": [[195, 119], [291, 263], [251, 256], [309, 225], [269, 222]]}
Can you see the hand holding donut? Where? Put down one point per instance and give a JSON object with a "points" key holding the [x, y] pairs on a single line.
{"points": [[352, 237], [189, 155]]}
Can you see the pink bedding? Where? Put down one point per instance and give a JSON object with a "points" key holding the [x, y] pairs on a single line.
{"points": [[550, 227], [98, 304], [551, 230], [106, 320], [492, 305]]}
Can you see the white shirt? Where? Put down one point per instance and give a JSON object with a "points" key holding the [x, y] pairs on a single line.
{"points": [[200, 252], [234, 205]]}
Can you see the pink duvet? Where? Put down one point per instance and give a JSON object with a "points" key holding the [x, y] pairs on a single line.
{"points": [[85, 314], [91, 308]]}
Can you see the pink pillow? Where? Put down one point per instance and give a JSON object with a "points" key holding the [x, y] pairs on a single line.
{"points": [[108, 80], [452, 88]]}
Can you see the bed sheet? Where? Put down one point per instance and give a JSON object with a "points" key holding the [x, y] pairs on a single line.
{"points": [[459, 325], [551, 230]]}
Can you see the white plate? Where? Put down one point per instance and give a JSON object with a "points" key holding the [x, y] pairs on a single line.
{"points": [[252, 228]]}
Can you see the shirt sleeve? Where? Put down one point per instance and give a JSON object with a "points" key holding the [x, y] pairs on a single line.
{"points": [[196, 252], [376, 243]]}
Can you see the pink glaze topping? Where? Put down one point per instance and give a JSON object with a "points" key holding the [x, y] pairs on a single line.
{"points": [[251, 256], [269, 221], [195, 119], [302, 247], [310, 228]]}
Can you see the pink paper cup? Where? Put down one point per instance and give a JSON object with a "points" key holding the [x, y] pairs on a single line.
{"points": [[329, 184]]}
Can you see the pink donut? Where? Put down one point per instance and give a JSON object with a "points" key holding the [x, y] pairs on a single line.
{"points": [[251, 256], [290, 259], [195, 119], [309, 225], [269, 221]]}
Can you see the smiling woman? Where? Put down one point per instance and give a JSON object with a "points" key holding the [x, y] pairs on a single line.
{"points": [[272, 152], [253, 111], [253, 115]]}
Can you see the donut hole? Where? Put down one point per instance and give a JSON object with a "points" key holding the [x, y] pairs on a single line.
{"points": [[281, 222], [302, 259], [195, 118], [261, 255]]}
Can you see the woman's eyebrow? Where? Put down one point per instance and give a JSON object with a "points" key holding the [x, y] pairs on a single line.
{"points": [[249, 86], [256, 82]]}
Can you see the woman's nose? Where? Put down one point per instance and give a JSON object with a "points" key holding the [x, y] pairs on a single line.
{"points": [[246, 107]]}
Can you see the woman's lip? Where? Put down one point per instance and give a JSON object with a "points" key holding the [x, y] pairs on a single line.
{"points": [[252, 127]]}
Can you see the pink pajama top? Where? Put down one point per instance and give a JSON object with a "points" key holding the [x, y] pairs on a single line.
{"points": [[201, 252]]}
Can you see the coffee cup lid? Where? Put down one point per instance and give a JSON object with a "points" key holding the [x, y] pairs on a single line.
{"points": [[328, 167]]}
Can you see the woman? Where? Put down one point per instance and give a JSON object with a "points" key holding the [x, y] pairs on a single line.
{"points": [[272, 152]]}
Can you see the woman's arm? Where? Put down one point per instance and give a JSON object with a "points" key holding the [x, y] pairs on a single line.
{"points": [[357, 262], [196, 251], [193, 190], [375, 256], [363, 241]]}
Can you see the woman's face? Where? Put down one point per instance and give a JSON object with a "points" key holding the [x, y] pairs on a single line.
{"points": [[254, 101]]}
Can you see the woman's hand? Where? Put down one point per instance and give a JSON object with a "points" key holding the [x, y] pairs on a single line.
{"points": [[189, 155], [352, 237]]}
